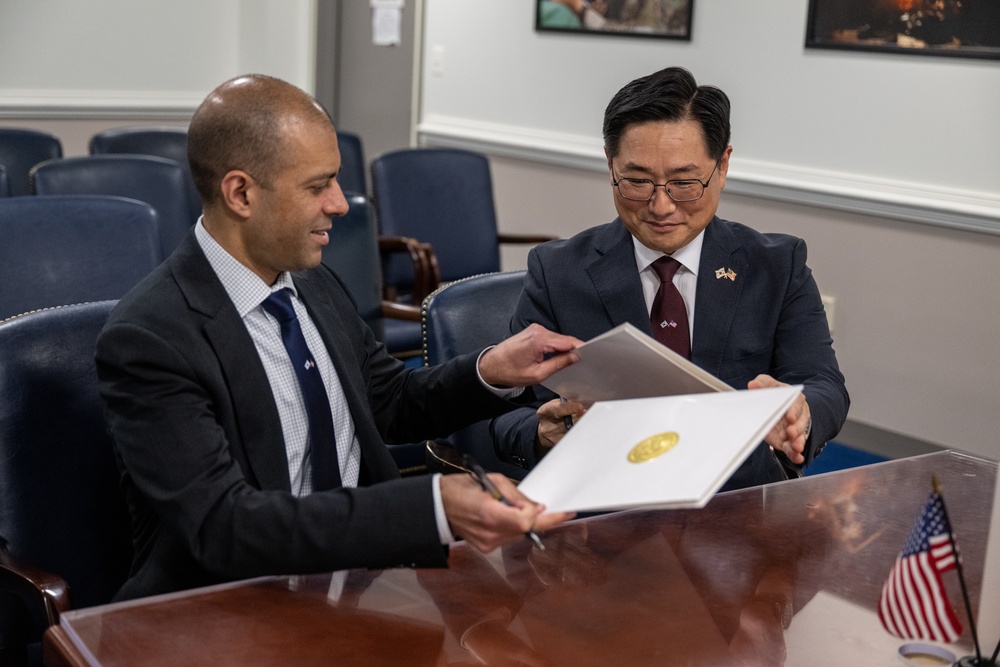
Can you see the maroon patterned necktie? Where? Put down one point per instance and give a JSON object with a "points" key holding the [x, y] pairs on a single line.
{"points": [[668, 314]]}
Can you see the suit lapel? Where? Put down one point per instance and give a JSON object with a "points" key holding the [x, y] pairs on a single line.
{"points": [[257, 418], [616, 280], [715, 303], [328, 320]]}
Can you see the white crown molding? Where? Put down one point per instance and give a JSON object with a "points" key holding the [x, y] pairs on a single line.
{"points": [[944, 207], [89, 104]]}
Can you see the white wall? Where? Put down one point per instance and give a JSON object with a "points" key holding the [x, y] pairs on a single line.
{"points": [[157, 58], [914, 133]]}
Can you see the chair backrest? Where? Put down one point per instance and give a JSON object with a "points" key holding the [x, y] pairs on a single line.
{"points": [[165, 142], [56, 250], [353, 171], [20, 150], [61, 509], [441, 196], [157, 181], [353, 254], [4, 182], [463, 317]]}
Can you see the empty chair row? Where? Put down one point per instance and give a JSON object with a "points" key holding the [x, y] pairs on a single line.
{"points": [[56, 250], [159, 182], [20, 150]]}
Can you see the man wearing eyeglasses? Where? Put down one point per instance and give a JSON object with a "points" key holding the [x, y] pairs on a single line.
{"points": [[743, 305]]}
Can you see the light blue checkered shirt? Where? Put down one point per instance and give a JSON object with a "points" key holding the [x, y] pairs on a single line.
{"points": [[247, 292]]}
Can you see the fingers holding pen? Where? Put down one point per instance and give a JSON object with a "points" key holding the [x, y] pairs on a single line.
{"points": [[555, 418]]}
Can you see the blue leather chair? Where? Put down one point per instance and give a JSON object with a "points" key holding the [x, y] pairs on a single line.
{"points": [[20, 150], [442, 197], [353, 253], [462, 317], [353, 171], [157, 181], [165, 142], [65, 532], [56, 250], [4, 182]]}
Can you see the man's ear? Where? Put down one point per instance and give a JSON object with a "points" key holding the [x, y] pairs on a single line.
{"points": [[236, 192], [724, 166], [610, 172]]}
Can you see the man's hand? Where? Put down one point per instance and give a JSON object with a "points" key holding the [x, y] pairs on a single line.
{"points": [[528, 357], [487, 523], [790, 433], [552, 421]]}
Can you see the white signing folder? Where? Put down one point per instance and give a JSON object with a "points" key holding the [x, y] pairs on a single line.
{"points": [[668, 451], [627, 363]]}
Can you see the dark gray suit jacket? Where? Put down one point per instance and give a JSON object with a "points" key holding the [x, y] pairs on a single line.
{"points": [[769, 320], [200, 445]]}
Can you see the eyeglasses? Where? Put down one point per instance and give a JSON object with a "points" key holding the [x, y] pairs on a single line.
{"points": [[643, 189]]}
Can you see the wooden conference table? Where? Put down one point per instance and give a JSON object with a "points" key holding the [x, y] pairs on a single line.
{"points": [[784, 574]]}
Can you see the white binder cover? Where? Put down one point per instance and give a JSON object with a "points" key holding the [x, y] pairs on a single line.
{"points": [[670, 451], [627, 363]]}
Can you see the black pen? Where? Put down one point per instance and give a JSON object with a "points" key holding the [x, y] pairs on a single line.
{"points": [[489, 487], [568, 419]]}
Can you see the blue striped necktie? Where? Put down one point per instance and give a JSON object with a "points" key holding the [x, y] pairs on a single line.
{"points": [[322, 446]]}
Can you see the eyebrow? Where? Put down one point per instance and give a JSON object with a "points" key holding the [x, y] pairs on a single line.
{"points": [[316, 179], [688, 168]]}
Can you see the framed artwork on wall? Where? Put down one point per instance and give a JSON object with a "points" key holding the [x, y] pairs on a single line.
{"points": [[666, 19], [959, 28]]}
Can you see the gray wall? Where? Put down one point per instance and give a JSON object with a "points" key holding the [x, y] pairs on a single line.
{"points": [[374, 84]]}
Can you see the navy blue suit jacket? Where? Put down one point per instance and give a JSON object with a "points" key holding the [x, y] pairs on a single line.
{"points": [[769, 320], [200, 445]]}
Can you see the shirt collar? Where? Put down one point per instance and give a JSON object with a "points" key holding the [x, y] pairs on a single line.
{"points": [[244, 287], [689, 256]]}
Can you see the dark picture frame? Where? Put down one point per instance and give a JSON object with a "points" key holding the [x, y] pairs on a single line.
{"points": [[659, 19], [950, 28]]}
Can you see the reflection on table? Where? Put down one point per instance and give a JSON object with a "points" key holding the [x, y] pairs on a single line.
{"points": [[784, 574]]}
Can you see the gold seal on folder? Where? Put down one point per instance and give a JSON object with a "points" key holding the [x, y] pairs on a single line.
{"points": [[653, 446]]}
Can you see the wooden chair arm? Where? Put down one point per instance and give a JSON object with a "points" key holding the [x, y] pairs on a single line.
{"points": [[400, 311], [426, 274], [58, 650], [46, 594], [524, 238], [433, 274]]}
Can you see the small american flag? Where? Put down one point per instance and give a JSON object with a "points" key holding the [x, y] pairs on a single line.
{"points": [[913, 603]]}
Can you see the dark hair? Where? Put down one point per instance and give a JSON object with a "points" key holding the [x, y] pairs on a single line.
{"points": [[239, 126], [670, 95]]}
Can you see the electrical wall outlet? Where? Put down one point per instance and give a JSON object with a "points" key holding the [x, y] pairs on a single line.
{"points": [[437, 59], [829, 304]]}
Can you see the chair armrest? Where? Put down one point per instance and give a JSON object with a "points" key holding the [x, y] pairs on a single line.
{"points": [[400, 311], [525, 238], [426, 274], [59, 650], [46, 594]]}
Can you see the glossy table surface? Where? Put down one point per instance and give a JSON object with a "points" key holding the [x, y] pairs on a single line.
{"points": [[784, 574]]}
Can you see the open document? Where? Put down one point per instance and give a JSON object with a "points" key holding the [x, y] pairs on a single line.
{"points": [[627, 363], [669, 451]]}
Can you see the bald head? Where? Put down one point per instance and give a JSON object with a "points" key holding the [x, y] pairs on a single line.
{"points": [[241, 125]]}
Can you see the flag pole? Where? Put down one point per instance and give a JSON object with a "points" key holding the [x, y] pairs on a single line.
{"points": [[961, 576]]}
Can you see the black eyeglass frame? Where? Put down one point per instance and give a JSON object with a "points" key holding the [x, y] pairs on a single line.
{"points": [[666, 186]]}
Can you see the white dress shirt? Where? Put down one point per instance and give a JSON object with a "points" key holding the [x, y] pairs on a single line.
{"points": [[686, 278]]}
